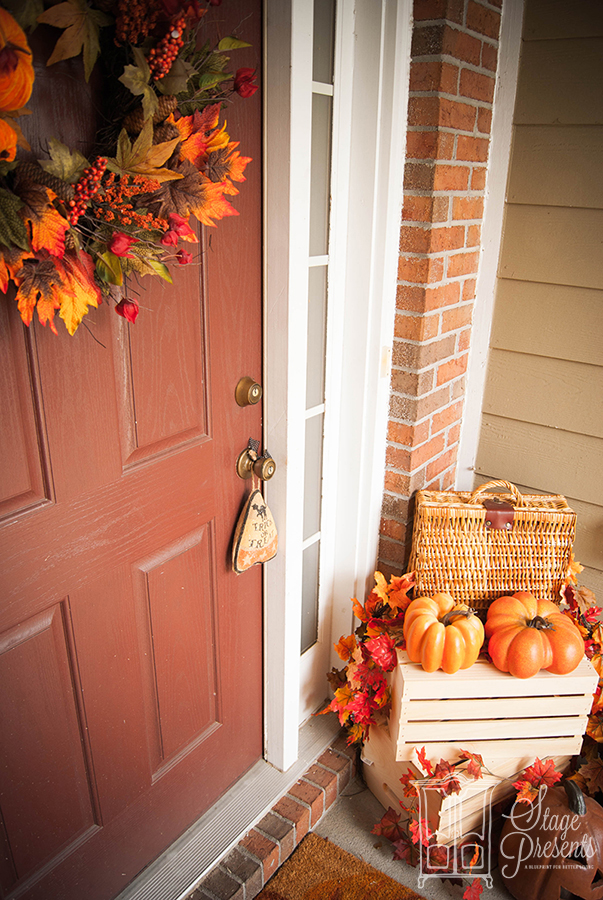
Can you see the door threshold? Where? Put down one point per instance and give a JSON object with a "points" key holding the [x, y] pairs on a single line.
{"points": [[174, 874]]}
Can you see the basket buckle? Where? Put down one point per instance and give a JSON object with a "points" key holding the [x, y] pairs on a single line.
{"points": [[499, 514]]}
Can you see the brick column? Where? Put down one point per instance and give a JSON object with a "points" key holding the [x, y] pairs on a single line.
{"points": [[453, 67]]}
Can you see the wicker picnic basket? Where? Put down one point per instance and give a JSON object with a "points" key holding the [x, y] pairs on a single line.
{"points": [[479, 547]]}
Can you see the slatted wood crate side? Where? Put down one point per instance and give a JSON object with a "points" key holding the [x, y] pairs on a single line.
{"points": [[489, 711], [449, 817]]}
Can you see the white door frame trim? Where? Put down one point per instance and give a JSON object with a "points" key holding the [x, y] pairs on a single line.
{"points": [[509, 51], [368, 324]]}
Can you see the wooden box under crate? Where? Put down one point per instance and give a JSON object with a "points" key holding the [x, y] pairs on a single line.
{"points": [[453, 817], [488, 712]]}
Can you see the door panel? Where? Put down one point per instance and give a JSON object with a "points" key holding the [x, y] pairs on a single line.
{"points": [[130, 653]]}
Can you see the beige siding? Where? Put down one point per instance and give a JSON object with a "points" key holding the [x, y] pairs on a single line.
{"points": [[542, 421]]}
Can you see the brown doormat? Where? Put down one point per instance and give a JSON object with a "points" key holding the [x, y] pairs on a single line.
{"points": [[320, 870]]}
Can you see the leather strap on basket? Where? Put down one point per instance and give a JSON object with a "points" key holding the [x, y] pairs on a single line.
{"points": [[475, 498]]}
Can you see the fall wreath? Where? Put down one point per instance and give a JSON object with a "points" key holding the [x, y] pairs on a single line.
{"points": [[72, 229]]}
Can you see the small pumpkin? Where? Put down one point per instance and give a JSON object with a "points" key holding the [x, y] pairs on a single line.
{"points": [[554, 847], [526, 635], [8, 141], [16, 66], [441, 634]]}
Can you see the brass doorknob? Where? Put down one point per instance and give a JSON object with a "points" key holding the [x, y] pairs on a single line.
{"points": [[249, 463], [248, 392]]}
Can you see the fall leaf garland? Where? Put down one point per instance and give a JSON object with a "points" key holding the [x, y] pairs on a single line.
{"points": [[72, 230]]}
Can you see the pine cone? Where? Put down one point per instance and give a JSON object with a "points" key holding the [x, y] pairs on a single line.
{"points": [[134, 121], [31, 171], [165, 132]]}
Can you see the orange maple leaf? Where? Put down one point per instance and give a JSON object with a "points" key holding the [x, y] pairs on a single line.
{"points": [[526, 791], [81, 291], [540, 773], [345, 647], [36, 280], [211, 204], [47, 226]]}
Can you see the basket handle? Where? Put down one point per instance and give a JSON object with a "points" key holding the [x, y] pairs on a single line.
{"points": [[519, 501]]}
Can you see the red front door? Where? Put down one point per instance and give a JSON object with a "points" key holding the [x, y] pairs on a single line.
{"points": [[130, 654]]}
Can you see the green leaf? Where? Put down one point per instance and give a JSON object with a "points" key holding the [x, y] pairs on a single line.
{"points": [[12, 228], [232, 43], [66, 164], [161, 270], [108, 267], [136, 79], [26, 12], [177, 79], [145, 263]]}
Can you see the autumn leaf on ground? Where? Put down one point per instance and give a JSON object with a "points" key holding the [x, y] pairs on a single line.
{"points": [[81, 25], [66, 164], [345, 647], [420, 831], [81, 291], [389, 826], [404, 850], [474, 890], [47, 226], [526, 792], [476, 763], [540, 773]]}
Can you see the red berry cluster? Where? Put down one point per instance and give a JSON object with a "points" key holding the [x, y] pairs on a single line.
{"points": [[161, 57], [86, 188]]}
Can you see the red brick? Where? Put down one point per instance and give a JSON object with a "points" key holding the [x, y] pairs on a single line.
{"points": [[279, 830], [420, 455], [246, 870], [433, 75], [484, 120], [416, 328], [409, 435], [457, 389], [453, 435], [440, 209], [264, 850], [467, 207], [424, 111], [296, 813], [489, 57], [451, 369], [396, 483], [447, 238], [476, 85], [464, 340], [395, 554], [440, 465], [469, 286], [418, 176], [462, 264], [443, 295], [312, 796], [429, 145], [394, 530], [413, 383], [451, 178], [325, 780], [414, 239], [478, 178], [474, 233], [472, 148], [410, 297], [222, 886], [424, 209], [419, 356], [453, 319], [395, 458], [461, 45], [485, 21], [338, 764], [455, 114], [420, 270], [441, 420], [414, 408]]}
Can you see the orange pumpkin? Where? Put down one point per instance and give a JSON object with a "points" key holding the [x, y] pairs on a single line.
{"points": [[16, 67], [527, 635], [441, 634], [8, 141]]}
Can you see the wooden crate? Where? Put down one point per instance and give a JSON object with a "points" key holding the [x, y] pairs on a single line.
{"points": [[453, 817], [489, 712]]}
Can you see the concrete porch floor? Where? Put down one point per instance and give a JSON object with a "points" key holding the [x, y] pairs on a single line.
{"points": [[348, 824]]}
